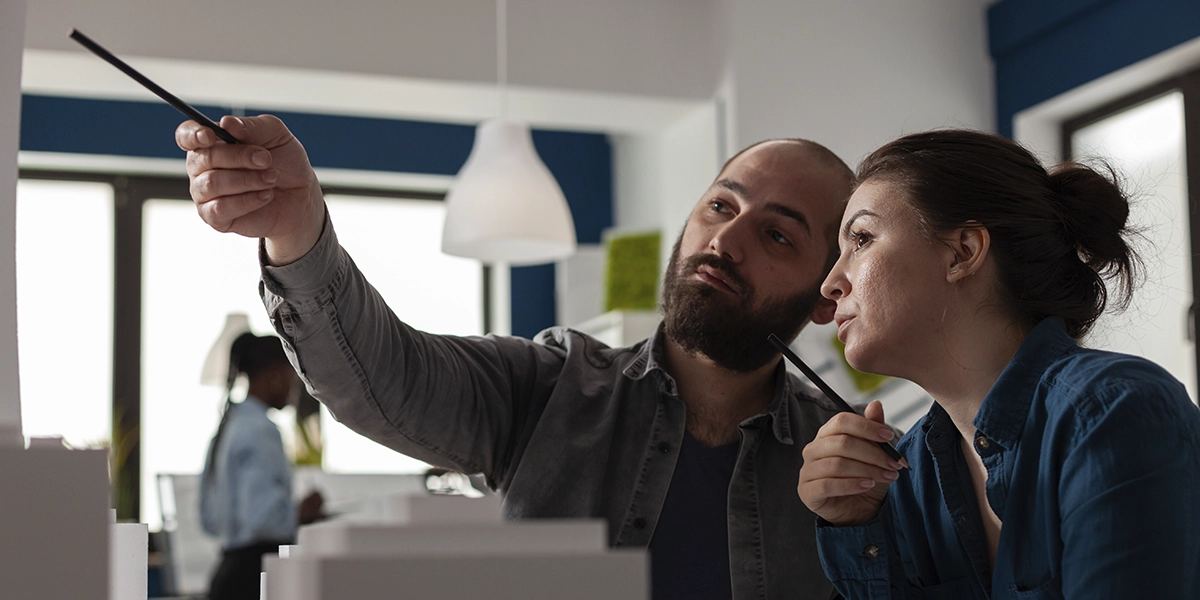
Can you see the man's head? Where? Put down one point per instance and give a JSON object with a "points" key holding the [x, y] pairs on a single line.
{"points": [[751, 258]]}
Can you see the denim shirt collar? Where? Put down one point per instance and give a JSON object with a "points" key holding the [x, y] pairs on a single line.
{"points": [[1005, 408], [651, 357]]}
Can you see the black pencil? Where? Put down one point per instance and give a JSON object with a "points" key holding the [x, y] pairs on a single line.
{"points": [[824, 387], [170, 98]]}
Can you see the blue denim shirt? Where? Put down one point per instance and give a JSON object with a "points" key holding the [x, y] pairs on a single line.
{"points": [[1093, 463]]}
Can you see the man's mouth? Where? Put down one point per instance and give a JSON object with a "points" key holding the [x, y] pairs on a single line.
{"points": [[717, 278]]}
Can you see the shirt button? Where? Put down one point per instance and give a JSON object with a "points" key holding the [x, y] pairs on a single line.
{"points": [[871, 551], [982, 443], [664, 447], [639, 523]]}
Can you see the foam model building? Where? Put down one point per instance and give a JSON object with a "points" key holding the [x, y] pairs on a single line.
{"points": [[453, 547]]}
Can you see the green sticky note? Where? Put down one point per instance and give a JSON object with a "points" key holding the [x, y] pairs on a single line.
{"points": [[631, 277]]}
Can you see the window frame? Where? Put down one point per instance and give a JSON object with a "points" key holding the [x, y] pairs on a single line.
{"points": [[1187, 84]]}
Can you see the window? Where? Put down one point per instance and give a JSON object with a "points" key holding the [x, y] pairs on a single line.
{"points": [[64, 252], [134, 269], [1142, 137]]}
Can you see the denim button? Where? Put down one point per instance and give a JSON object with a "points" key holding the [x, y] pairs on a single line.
{"points": [[664, 447], [982, 443], [871, 551]]}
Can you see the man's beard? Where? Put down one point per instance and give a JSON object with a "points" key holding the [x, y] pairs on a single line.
{"points": [[730, 332]]}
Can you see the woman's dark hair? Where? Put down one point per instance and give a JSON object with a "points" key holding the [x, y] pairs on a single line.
{"points": [[1057, 236], [251, 354]]}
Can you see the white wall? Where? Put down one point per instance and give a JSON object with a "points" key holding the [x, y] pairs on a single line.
{"points": [[649, 47], [12, 15], [854, 74]]}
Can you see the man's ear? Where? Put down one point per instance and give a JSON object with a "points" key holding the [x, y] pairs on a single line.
{"points": [[969, 246], [823, 312]]}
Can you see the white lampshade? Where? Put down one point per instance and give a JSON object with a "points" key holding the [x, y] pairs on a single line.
{"points": [[216, 363], [505, 206]]}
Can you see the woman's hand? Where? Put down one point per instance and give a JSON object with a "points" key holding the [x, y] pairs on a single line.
{"points": [[845, 474]]}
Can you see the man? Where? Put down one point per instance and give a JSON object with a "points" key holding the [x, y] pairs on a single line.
{"points": [[688, 443]]}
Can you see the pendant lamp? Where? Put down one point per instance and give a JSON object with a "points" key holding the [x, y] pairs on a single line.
{"points": [[216, 363], [504, 205]]}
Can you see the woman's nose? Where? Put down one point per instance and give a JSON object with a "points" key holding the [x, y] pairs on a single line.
{"points": [[836, 285]]}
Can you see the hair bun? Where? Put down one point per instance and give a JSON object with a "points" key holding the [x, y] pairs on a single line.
{"points": [[1095, 218]]}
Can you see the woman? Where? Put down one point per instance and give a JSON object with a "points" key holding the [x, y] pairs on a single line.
{"points": [[246, 487], [1043, 469]]}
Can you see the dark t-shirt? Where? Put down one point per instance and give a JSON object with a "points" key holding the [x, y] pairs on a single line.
{"points": [[689, 553]]}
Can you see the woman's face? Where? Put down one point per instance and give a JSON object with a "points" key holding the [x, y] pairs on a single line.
{"points": [[889, 282]]}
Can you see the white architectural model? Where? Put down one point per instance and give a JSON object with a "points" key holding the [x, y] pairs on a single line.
{"points": [[451, 547]]}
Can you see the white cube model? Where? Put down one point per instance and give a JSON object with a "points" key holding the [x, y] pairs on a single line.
{"points": [[54, 523], [128, 548], [447, 547]]}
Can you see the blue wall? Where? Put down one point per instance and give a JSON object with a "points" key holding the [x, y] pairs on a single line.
{"points": [[581, 162], [1043, 48]]}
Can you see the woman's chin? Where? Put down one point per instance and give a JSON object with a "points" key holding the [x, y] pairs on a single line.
{"points": [[856, 359]]}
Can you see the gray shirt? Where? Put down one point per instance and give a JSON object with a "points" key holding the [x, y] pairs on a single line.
{"points": [[562, 426]]}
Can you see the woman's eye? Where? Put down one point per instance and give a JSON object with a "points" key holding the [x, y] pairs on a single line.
{"points": [[861, 239]]}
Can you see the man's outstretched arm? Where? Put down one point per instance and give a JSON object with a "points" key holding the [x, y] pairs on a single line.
{"points": [[454, 402]]}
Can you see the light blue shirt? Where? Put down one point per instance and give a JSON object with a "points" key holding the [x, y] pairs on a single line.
{"points": [[247, 499]]}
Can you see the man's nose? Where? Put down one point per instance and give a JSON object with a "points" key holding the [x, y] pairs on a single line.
{"points": [[729, 241]]}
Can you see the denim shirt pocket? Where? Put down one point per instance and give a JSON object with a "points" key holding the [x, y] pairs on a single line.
{"points": [[957, 589], [1049, 590]]}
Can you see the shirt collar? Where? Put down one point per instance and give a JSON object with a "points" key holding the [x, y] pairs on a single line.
{"points": [[254, 402], [651, 357], [1005, 408]]}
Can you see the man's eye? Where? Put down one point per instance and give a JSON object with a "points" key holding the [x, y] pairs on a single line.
{"points": [[779, 237], [717, 206]]}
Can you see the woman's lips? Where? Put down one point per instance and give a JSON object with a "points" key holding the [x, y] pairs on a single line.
{"points": [[842, 324]]}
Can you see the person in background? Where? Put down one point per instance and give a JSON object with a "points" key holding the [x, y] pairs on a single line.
{"points": [[678, 441], [246, 486], [1043, 469]]}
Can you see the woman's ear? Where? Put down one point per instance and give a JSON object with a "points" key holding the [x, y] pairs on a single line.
{"points": [[970, 245]]}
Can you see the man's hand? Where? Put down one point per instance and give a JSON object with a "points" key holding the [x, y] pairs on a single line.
{"points": [[845, 474], [263, 187]]}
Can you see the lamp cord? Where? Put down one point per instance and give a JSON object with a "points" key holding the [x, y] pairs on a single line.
{"points": [[502, 54]]}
